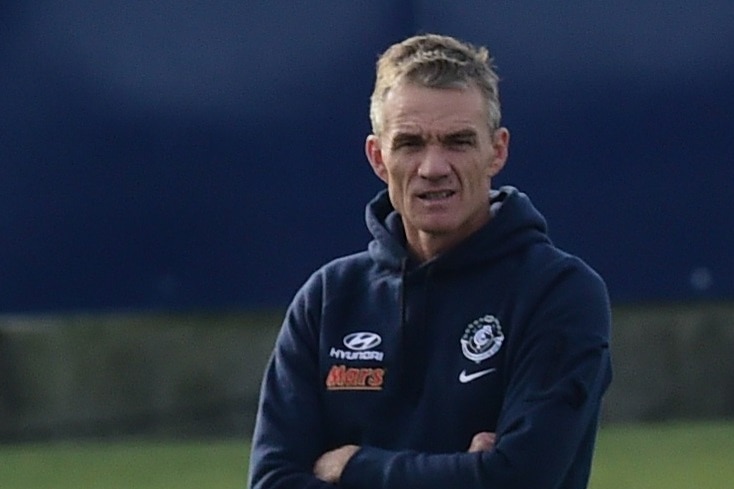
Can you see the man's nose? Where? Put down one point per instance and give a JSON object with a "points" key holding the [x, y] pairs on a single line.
{"points": [[434, 164]]}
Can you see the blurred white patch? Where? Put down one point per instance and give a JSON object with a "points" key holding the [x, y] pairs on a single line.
{"points": [[701, 278]]}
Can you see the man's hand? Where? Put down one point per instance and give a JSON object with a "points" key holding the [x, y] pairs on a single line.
{"points": [[482, 442], [329, 466]]}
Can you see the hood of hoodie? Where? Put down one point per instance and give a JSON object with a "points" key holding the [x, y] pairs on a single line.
{"points": [[515, 224]]}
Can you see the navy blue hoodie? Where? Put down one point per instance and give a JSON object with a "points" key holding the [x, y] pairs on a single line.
{"points": [[502, 333]]}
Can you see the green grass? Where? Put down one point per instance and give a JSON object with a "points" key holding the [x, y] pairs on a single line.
{"points": [[669, 456], [128, 465], [657, 456]]}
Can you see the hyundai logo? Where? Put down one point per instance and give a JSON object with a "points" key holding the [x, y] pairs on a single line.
{"points": [[362, 340]]}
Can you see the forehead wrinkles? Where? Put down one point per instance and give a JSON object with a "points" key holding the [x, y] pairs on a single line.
{"points": [[432, 112]]}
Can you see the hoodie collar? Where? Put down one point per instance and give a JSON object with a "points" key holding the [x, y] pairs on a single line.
{"points": [[515, 224]]}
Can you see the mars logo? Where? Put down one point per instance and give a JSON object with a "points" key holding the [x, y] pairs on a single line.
{"points": [[342, 377], [482, 338]]}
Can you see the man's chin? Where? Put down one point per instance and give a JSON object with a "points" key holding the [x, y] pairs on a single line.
{"points": [[439, 229]]}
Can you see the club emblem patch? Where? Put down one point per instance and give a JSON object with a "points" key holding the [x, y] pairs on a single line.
{"points": [[482, 338]]}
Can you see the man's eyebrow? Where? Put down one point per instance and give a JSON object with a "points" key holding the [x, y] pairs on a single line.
{"points": [[461, 134], [403, 137]]}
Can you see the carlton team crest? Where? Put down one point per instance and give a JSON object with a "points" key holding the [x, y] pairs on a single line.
{"points": [[482, 338]]}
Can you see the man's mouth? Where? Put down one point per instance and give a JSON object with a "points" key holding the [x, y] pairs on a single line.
{"points": [[436, 195]]}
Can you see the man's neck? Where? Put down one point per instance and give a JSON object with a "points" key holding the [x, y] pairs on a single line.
{"points": [[426, 246]]}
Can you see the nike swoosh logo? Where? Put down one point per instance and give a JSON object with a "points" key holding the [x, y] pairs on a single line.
{"points": [[465, 377]]}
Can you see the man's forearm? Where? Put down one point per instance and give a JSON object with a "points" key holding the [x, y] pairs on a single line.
{"points": [[330, 465]]}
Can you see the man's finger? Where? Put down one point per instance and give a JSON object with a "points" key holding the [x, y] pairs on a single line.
{"points": [[482, 442], [330, 465]]}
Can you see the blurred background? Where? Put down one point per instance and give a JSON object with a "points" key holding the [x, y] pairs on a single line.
{"points": [[172, 171]]}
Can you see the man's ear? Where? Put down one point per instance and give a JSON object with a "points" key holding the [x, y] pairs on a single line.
{"points": [[373, 150], [501, 146]]}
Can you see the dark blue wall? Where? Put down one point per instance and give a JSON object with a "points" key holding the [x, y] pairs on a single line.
{"points": [[185, 154]]}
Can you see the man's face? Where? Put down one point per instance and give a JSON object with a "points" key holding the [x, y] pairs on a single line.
{"points": [[437, 155]]}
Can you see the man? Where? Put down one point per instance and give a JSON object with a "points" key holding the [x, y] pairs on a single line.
{"points": [[461, 349]]}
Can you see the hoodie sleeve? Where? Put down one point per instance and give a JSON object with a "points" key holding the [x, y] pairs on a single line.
{"points": [[560, 368], [289, 430]]}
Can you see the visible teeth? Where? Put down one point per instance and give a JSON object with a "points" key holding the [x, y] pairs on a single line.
{"points": [[437, 195]]}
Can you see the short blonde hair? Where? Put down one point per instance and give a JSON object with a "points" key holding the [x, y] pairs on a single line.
{"points": [[435, 61]]}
